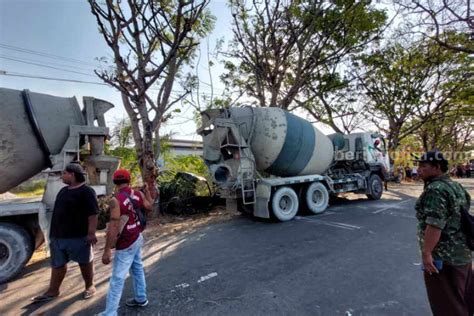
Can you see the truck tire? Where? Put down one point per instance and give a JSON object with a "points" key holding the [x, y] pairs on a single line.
{"points": [[317, 198], [285, 204], [375, 187], [16, 248]]}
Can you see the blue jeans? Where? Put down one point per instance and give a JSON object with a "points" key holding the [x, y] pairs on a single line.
{"points": [[126, 260]]}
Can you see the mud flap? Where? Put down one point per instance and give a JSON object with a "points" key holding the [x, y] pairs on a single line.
{"points": [[264, 191], [231, 205]]}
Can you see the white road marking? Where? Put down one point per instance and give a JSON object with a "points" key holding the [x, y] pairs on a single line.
{"points": [[201, 279], [326, 214], [344, 224], [391, 206], [403, 215], [328, 223], [374, 307], [207, 277]]}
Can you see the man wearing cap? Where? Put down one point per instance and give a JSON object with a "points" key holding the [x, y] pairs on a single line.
{"points": [[72, 232], [124, 233], [446, 257]]}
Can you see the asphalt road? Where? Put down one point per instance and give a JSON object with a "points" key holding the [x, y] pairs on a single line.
{"points": [[359, 258]]}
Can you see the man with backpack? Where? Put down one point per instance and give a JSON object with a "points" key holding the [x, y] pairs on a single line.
{"points": [[124, 234], [443, 238]]}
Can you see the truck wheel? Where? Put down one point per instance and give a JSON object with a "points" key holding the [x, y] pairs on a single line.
{"points": [[317, 198], [16, 248], [285, 204], [375, 187]]}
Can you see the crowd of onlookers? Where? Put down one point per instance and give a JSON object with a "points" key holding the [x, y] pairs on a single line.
{"points": [[410, 173], [406, 173], [462, 170]]}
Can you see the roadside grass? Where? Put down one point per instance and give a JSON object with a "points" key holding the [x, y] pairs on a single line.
{"points": [[31, 188]]}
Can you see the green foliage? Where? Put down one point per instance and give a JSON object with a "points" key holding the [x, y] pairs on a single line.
{"points": [[279, 47], [451, 132], [182, 188], [128, 160], [121, 135], [172, 185], [409, 87], [104, 213], [30, 188], [191, 163], [448, 23]]}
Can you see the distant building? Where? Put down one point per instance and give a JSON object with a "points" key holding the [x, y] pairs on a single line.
{"points": [[181, 147]]}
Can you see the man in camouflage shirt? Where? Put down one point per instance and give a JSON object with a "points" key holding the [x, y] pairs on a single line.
{"points": [[446, 257]]}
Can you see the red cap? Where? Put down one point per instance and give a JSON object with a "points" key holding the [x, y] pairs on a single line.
{"points": [[121, 174]]}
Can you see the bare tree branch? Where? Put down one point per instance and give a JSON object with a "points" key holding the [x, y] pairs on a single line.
{"points": [[136, 32]]}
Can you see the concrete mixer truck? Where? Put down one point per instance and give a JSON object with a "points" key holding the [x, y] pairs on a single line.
{"points": [[271, 163], [42, 132]]}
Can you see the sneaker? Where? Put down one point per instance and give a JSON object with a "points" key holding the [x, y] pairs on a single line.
{"points": [[134, 303]]}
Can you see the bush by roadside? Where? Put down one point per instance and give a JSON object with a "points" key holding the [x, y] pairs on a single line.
{"points": [[30, 188]]}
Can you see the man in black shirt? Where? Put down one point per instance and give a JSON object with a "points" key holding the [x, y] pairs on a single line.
{"points": [[72, 232]]}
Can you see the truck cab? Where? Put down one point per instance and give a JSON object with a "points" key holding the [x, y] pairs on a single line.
{"points": [[360, 152]]}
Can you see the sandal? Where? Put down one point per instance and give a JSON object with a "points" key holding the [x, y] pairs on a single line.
{"points": [[89, 293], [43, 298]]}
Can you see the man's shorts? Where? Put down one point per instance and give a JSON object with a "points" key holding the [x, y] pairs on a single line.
{"points": [[65, 250]]}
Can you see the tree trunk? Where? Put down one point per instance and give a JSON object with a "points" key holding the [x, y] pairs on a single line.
{"points": [[157, 143], [147, 161], [393, 140], [424, 140]]}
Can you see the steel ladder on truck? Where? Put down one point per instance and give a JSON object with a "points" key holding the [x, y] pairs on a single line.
{"points": [[245, 177]]}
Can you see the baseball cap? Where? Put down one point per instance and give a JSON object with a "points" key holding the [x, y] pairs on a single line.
{"points": [[75, 167], [121, 174]]}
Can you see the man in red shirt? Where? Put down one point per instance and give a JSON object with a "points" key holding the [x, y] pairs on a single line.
{"points": [[124, 233]]}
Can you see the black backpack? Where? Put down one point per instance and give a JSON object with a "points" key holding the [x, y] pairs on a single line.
{"points": [[467, 224], [467, 220], [138, 210]]}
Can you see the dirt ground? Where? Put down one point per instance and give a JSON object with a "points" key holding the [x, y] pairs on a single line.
{"points": [[34, 279], [163, 227]]}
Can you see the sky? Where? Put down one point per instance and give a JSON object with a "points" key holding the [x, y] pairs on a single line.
{"points": [[67, 31], [33, 31]]}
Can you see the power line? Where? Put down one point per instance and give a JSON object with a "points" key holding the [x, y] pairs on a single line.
{"points": [[49, 63], [48, 55], [14, 74], [22, 75], [46, 66], [53, 56]]}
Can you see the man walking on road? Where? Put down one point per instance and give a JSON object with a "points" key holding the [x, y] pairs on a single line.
{"points": [[72, 232], [124, 232], [447, 260]]}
